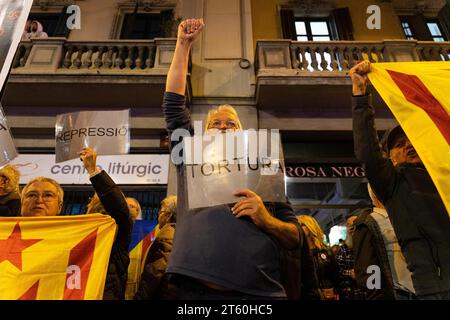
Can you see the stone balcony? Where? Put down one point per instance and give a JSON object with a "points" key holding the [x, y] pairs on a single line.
{"points": [[309, 79], [113, 73]]}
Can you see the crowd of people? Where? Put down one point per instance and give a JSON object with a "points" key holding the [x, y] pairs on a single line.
{"points": [[253, 249]]}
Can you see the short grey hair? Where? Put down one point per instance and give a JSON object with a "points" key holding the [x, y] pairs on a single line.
{"points": [[60, 191]]}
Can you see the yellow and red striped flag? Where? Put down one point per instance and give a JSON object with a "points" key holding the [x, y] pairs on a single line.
{"points": [[55, 258], [418, 95]]}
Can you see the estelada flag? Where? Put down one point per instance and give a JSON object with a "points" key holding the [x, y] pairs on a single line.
{"points": [[142, 237], [418, 95], [55, 258]]}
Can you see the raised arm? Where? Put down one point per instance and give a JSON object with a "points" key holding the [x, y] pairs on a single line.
{"points": [[188, 32], [110, 196], [379, 169]]}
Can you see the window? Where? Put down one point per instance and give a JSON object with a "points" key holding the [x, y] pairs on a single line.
{"points": [[141, 26], [312, 29], [54, 24], [435, 30], [407, 30]]}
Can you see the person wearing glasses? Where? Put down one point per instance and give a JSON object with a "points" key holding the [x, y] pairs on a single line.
{"points": [[226, 251], [44, 197], [9, 192]]}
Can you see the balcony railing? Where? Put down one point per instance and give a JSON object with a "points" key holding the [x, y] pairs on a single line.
{"points": [[340, 56], [115, 56]]}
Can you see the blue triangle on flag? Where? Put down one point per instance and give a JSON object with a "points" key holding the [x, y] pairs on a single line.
{"points": [[141, 228]]}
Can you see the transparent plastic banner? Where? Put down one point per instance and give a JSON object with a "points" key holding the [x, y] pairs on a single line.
{"points": [[8, 150], [218, 165], [107, 132], [13, 17]]}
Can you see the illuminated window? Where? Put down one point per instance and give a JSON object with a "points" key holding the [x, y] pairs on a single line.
{"points": [[312, 30], [407, 30], [435, 30]]}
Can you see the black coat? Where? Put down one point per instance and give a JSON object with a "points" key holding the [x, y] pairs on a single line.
{"points": [[369, 249], [116, 206], [416, 211], [10, 205]]}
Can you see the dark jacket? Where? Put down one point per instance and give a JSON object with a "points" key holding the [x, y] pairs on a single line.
{"points": [[10, 205], [326, 268], [154, 282], [369, 249], [116, 206], [417, 213]]}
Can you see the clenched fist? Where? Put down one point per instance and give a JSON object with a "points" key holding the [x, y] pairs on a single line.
{"points": [[359, 77], [89, 158], [189, 30]]}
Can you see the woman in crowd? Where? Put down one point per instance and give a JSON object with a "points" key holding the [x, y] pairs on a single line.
{"points": [[9, 192], [324, 261]]}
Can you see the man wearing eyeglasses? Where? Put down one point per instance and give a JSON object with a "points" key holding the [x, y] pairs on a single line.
{"points": [[42, 197], [222, 252], [404, 187]]}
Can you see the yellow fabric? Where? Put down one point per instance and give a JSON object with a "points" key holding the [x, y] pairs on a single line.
{"points": [[422, 131], [45, 263], [134, 271]]}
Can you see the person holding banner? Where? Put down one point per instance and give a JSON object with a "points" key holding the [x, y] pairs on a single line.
{"points": [[403, 185], [108, 199], [9, 192], [225, 251]]}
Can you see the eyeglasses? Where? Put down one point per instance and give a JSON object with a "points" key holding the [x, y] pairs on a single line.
{"points": [[230, 124], [46, 196]]}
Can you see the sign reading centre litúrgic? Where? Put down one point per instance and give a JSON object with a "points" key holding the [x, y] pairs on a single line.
{"points": [[218, 165], [107, 132], [123, 169], [13, 17]]}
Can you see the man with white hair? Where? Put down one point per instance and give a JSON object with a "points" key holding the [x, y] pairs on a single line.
{"points": [[42, 197], [222, 251]]}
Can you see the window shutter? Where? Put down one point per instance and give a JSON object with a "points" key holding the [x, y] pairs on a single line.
{"points": [[167, 23], [444, 19], [129, 21], [341, 24], [288, 24]]}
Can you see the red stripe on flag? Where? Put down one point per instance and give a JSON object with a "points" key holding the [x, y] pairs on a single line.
{"points": [[31, 293], [416, 92], [80, 261]]}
